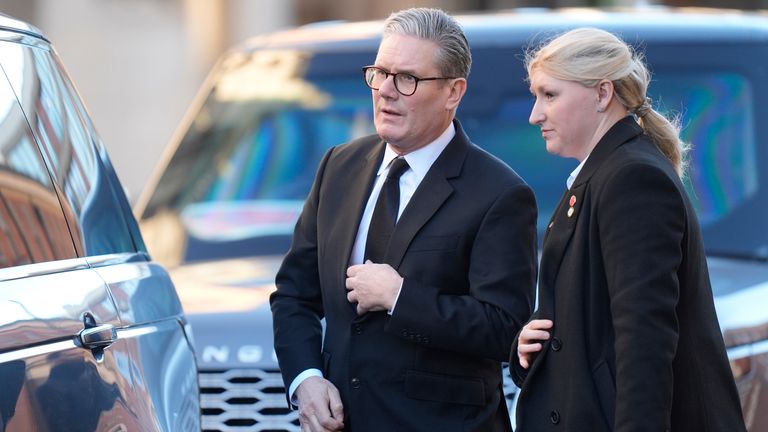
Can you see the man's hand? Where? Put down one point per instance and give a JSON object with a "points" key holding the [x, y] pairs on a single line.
{"points": [[320, 408], [373, 287], [528, 343]]}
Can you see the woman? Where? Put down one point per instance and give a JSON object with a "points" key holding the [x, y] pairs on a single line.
{"points": [[625, 337]]}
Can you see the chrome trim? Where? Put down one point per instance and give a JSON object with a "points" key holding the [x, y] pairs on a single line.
{"points": [[27, 353], [99, 336], [24, 38], [254, 400], [9, 23], [116, 258], [43, 268], [235, 398]]}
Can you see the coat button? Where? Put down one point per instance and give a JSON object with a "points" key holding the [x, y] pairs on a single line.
{"points": [[554, 417], [556, 344], [355, 383], [358, 329]]}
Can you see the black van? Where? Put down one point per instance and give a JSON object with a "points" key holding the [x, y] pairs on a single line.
{"points": [[224, 200], [92, 333]]}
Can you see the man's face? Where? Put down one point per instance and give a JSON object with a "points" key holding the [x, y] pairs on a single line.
{"points": [[410, 122]]}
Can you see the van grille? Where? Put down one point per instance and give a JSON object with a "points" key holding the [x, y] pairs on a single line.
{"points": [[253, 400], [245, 400]]}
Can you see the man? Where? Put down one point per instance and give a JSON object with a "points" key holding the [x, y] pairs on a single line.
{"points": [[418, 315]]}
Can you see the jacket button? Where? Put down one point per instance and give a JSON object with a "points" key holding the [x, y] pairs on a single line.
{"points": [[358, 329], [556, 344], [355, 383], [554, 417]]}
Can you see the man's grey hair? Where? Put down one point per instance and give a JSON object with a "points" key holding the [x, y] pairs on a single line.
{"points": [[453, 58]]}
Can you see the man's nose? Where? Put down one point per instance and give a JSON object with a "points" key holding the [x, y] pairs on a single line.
{"points": [[387, 88]]}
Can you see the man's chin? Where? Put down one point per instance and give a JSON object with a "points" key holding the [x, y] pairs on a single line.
{"points": [[387, 135]]}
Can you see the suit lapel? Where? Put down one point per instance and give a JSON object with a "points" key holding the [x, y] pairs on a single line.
{"points": [[362, 174], [432, 192], [356, 196]]}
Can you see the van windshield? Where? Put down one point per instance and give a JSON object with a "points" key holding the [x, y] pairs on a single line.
{"points": [[244, 167]]}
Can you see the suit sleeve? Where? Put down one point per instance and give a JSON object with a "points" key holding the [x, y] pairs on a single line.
{"points": [[642, 221], [502, 277], [297, 306]]}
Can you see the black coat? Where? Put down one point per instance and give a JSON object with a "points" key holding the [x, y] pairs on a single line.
{"points": [[465, 245], [636, 345]]}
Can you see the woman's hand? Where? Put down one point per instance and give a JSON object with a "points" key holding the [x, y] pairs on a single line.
{"points": [[529, 342]]}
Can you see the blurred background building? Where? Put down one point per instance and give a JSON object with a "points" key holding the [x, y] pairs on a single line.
{"points": [[138, 63]]}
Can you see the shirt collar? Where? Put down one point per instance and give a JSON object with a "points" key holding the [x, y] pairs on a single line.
{"points": [[421, 160], [575, 173]]}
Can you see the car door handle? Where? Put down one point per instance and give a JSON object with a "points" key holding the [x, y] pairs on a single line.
{"points": [[100, 336]]}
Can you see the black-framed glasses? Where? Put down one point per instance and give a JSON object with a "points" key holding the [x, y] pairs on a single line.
{"points": [[405, 83]]}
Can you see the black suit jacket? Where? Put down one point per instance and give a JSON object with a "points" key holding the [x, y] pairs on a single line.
{"points": [[466, 247], [636, 345]]}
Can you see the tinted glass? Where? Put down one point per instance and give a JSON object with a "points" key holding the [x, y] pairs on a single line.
{"points": [[66, 139], [244, 167], [32, 225]]}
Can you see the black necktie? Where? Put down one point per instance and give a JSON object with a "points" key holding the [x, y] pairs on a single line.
{"points": [[385, 213]]}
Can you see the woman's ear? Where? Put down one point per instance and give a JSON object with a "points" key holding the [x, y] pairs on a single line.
{"points": [[604, 94]]}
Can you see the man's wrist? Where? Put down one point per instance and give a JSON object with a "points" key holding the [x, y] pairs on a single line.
{"points": [[298, 380]]}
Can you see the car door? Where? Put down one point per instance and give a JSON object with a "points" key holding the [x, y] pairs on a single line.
{"points": [[57, 318], [152, 338]]}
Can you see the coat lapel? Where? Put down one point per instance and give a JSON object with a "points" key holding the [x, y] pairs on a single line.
{"points": [[432, 192], [563, 222], [556, 239]]}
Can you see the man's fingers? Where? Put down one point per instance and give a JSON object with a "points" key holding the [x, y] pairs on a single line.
{"points": [[315, 425], [337, 408], [353, 270]]}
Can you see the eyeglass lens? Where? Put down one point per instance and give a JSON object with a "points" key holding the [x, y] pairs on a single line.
{"points": [[404, 83]]}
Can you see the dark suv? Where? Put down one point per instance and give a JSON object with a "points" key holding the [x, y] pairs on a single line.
{"points": [[224, 201], [92, 334]]}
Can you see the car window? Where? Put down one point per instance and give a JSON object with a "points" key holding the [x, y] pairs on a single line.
{"points": [[57, 120], [33, 228]]}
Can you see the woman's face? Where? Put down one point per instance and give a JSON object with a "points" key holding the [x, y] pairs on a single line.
{"points": [[567, 113]]}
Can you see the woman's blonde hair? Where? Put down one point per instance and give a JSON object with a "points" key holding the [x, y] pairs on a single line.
{"points": [[588, 56]]}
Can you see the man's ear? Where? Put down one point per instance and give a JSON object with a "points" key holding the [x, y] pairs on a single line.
{"points": [[458, 86], [604, 94]]}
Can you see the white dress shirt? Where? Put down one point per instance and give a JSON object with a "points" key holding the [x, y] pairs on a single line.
{"points": [[419, 163], [575, 173]]}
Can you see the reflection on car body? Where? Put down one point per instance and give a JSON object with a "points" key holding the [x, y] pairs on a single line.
{"points": [[92, 334], [245, 158]]}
